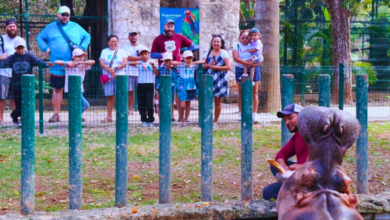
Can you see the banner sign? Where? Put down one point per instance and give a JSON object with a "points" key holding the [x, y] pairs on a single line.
{"points": [[186, 21]]}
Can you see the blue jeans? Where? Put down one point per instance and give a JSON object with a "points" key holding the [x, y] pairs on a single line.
{"points": [[84, 104], [271, 191]]}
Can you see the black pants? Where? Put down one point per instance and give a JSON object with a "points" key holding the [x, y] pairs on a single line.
{"points": [[145, 92], [17, 95], [271, 191]]}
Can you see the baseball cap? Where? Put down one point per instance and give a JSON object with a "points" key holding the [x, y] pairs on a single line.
{"points": [[10, 21], [188, 53], [169, 21], [133, 32], [64, 9], [167, 56], [143, 49], [77, 52], [19, 42], [289, 109]]}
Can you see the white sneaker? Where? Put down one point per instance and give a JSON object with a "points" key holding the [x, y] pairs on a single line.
{"points": [[239, 116], [255, 118], [253, 83], [151, 124], [145, 124]]}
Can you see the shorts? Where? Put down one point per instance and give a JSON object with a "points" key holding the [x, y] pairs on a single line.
{"points": [[187, 95], [4, 86], [240, 72], [109, 88], [133, 81], [173, 94], [257, 59], [57, 82]]}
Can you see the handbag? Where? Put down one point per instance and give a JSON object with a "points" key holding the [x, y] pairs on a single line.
{"points": [[72, 45], [104, 78]]}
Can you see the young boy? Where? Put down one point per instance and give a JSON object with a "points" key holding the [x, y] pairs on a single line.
{"points": [[77, 67], [166, 68], [21, 63], [145, 88], [186, 86], [256, 50]]}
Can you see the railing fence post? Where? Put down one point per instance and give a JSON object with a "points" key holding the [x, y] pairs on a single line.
{"points": [[287, 98], [362, 141], [200, 95], [246, 138], [165, 139], [324, 90], [207, 138], [121, 106], [341, 85], [28, 145], [41, 109], [75, 143]]}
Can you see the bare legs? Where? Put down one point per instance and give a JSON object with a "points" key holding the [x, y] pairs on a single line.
{"points": [[218, 108], [57, 100], [2, 107], [184, 110], [131, 101], [110, 105]]}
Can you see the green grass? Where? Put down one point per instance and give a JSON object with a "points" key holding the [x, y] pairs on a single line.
{"points": [[143, 154]]}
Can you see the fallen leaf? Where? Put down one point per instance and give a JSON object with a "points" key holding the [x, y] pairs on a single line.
{"points": [[135, 177], [206, 203], [153, 210], [134, 210]]}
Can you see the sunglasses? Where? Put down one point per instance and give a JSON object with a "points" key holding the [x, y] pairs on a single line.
{"points": [[65, 15], [245, 38]]}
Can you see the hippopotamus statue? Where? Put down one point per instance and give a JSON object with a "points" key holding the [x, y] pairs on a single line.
{"points": [[320, 189]]}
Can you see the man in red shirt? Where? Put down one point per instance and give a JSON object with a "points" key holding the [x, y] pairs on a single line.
{"points": [[295, 146], [171, 42]]}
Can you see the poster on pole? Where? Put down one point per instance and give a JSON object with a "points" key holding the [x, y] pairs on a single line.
{"points": [[186, 21]]}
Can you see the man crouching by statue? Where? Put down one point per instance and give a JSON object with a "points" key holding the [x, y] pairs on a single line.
{"points": [[295, 146]]}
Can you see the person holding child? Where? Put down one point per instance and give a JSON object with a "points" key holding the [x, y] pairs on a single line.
{"points": [[256, 49], [145, 89], [217, 63], [244, 58], [112, 61], [21, 63], [186, 88], [77, 67]]}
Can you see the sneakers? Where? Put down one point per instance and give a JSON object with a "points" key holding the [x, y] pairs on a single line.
{"points": [[54, 118], [82, 119], [239, 116], [145, 124], [255, 118], [253, 83], [107, 120], [151, 125]]}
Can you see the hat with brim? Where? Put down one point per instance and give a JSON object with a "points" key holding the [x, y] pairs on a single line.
{"points": [[188, 53], [78, 52], [64, 9], [168, 21], [143, 49], [289, 109], [133, 32], [10, 21], [167, 56], [19, 42]]}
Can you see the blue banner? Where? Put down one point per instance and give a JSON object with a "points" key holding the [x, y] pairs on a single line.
{"points": [[186, 21]]}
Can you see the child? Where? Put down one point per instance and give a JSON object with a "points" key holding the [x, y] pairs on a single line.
{"points": [[77, 67], [145, 88], [256, 50], [21, 63], [186, 85], [166, 68]]}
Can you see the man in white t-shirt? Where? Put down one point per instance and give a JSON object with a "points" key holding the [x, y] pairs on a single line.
{"points": [[7, 49], [132, 49]]}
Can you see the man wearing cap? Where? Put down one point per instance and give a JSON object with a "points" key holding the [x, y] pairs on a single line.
{"points": [[170, 42], [295, 146], [7, 48], [133, 50], [52, 41]]}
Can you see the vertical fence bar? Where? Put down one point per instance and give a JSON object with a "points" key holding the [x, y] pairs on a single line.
{"points": [[75, 142], [287, 98], [121, 106], [303, 87], [362, 141], [165, 139], [246, 138], [40, 79], [324, 90], [341, 85], [200, 96], [207, 138], [28, 145]]}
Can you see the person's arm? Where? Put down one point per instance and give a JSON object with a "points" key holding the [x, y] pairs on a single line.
{"points": [[133, 58], [155, 53], [193, 47], [104, 66], [226, 67], [123, 64], [134, 63], [253, 50], [175, 63], [35, 61], [285, 153], [237, 59], [199, 62], [42, 39], [155, 71], [88, 62]]}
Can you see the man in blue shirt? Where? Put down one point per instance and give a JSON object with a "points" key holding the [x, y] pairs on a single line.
{"points": [[53, 43]]}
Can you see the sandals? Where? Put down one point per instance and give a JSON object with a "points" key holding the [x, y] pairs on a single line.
{"points": [[107, 120]]}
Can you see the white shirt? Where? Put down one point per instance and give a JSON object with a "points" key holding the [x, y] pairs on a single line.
{"points": [[146, 74], [241, 53], [224, 54], [107, 56], [79, 71], [132, 51], [9, 50]]}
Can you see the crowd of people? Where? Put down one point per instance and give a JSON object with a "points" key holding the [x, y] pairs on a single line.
{"points": [[65, 42]]}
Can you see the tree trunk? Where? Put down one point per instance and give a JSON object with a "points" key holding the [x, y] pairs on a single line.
{"points": [[267, 21], [341, 22]]}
